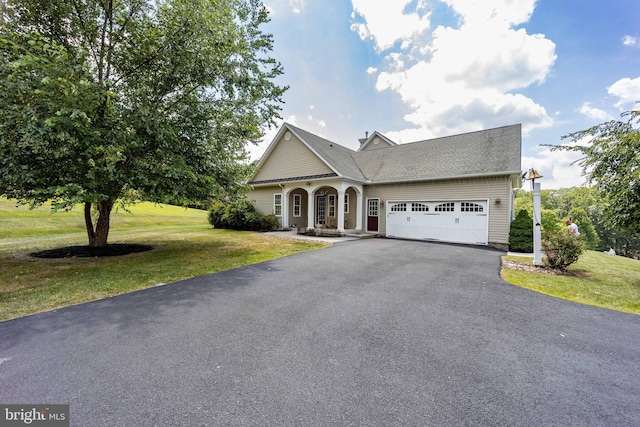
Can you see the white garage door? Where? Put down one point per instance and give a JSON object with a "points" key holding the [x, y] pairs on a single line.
{"points": [[462, 221]]}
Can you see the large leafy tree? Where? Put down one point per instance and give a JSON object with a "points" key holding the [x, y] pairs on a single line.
{"points": [[612, 164], [111, 101]]}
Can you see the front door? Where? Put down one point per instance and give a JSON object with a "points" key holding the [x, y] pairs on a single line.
{"points": [[321, 210], [373, 206]]}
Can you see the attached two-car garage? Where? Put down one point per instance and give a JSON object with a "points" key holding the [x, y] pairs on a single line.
{"points": [[462, 221]]}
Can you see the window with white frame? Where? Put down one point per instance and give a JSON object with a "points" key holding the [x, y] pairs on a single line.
{"points": [[277, 204], [332, 205], [346, 203], [297, 202]]}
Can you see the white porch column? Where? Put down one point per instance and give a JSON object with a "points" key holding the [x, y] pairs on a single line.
{"points": [[285, 208], [340, 225], [359, 211], [310, 210]]}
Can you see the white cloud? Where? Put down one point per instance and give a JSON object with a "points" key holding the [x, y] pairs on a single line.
{"points": [[297, 5], [372, 70], [386, 22], [593, 112], [626, 90], [468, 78], [630, 41], [558, 168], [506, 12]]}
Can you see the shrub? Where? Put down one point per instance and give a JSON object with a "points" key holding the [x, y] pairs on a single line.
{"points": [[240, 215], [216, 212], [521, 234], [269, 222], [562, 249]]}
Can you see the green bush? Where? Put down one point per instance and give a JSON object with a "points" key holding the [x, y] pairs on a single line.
{"points": [[216, 212], [240, 215], [521, 234], [562, 249]]}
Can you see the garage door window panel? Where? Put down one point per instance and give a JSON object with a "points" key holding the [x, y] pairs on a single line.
{"points": [[471, 207], [445, 207]]}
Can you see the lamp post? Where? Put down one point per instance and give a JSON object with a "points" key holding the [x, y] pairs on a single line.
{"points": [[537, 233]]}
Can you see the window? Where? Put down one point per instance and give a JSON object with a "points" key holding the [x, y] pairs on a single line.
{"points": [[419, 207], [445, 207], [277, 204], [296, 204], [346, 203], [399, 207], [373, 207], [332, 205], [471, 207]]}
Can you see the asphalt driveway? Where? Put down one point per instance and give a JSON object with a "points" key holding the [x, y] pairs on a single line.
{"points": [[376, 332]]}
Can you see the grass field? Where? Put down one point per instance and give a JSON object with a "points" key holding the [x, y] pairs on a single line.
{"points": [[184, 244], [596, 279]]}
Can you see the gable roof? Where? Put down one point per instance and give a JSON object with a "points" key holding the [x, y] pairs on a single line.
{"points": [[485, 152], [373, 136], [339, 158], [482, 153]]}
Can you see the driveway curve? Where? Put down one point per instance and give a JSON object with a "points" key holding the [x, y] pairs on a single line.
{"points": [[375, 332]]}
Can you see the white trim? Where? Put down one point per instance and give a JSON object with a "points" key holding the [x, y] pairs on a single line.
{"points": [[297, 205], [331, 203], [377, 215], [346, 202], [321, 221], [275, 212]]}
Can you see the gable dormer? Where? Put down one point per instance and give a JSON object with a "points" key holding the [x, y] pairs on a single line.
{"points": [[375, 142]]}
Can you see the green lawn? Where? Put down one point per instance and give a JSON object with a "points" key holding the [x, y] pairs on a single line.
{"points": [[598, 279], [185, 246]]}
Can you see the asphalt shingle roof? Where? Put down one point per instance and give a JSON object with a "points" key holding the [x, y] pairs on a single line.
{"points": [[485, 152], [339, 157], [477, 153]]}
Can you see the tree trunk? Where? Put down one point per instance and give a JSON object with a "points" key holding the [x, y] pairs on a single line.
{"points": [[98, 235]]}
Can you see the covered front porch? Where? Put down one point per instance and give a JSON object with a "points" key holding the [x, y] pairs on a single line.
{"points": [[333, 206]]}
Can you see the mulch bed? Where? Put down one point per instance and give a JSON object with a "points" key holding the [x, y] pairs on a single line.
{"points": [[528, 266], [92, 252]]}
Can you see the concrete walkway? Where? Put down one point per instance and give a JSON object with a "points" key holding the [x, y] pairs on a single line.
{"points": [[293, 234]]}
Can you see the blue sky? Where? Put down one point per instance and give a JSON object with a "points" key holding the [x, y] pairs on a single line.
{"points": [[419, 69]]}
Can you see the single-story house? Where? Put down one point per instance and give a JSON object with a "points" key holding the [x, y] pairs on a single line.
{"points": [[456, 189]]}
